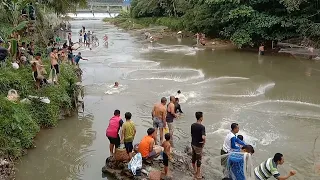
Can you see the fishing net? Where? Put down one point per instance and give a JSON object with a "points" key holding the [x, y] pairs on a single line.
{"points": [[300, 47], [237, 166]]}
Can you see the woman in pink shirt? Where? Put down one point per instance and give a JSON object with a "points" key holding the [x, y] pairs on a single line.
{"points": [[112, 131]]}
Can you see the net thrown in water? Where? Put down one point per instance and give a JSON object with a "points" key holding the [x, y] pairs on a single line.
{"points": [[239, 166]]}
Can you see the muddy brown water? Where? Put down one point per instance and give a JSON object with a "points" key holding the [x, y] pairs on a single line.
{"points": [[275, 100]]}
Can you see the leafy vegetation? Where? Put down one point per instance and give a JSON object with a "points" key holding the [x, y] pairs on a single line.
{"points": [[243, 22], [21, 122]]}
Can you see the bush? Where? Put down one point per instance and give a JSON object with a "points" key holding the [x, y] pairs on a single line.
{"points": [[17, 127], [21, 122]]}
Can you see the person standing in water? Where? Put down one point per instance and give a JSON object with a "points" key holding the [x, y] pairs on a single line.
{"points": [[116, 84], [78, 58], [230, 143], [181, 97], [236, 163], [112, 131], [269, 168], [159, 113], [177, 106], [198, 134], [170, 116], [261, 49]]}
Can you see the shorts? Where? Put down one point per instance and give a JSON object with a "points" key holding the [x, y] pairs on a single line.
{"points": [[56, 67], [196, 155], [115, 141], [150, 155], [171, 127], [157, 122], [128, 146], [165, 159]]}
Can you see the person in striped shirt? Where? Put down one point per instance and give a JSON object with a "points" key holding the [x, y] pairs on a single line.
{"points": [[269, 168]]}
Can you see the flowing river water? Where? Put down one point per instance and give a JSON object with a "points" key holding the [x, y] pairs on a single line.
{"points": [[275, 99]]}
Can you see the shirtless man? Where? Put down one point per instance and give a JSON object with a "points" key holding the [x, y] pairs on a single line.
{"points": [[54, 62], [159, 113], [171, 115]]}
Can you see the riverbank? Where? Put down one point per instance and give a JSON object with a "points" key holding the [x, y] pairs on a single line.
{"points": [[22, 119], [164, 27]]}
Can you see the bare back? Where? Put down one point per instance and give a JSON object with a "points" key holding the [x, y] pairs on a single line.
{"points": [[159, 111], [167, 147]]}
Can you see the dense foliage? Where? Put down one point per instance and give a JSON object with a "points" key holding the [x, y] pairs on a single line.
{"points": [[244, 22], [21, 122]]}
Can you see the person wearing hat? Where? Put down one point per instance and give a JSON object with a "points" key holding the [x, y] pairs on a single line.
{"points": [[147, 146]]}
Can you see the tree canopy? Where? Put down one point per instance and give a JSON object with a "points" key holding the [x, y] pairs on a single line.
{"points": [[243, 22]]}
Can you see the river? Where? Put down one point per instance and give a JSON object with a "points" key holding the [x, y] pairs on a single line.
{"points": [[275, 100]]}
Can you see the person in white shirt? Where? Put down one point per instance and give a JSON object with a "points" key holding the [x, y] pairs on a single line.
{"points": [[230, 143], [181, 97]]}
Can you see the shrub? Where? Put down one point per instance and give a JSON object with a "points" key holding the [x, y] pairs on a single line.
{"points": [[20, 122]]}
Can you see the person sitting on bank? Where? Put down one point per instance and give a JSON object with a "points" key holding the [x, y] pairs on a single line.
{"points": [[147, 146], [269, 168]]}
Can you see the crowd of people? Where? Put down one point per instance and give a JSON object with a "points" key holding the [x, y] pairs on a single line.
{"points": [[235, 152]]}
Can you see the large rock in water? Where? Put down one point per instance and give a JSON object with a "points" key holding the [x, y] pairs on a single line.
{"points": [[179, 169]]}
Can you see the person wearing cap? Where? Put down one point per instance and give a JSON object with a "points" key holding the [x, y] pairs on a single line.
{"points": [[147, 146]]}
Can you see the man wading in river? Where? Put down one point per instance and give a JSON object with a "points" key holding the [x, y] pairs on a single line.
{"points": [[159, 113], [170, 116]]}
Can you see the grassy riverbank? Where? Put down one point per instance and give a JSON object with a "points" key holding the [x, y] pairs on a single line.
{"points": [[20, 122]]}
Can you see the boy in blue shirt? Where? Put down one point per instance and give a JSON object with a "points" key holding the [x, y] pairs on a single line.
{"points": [[78, 57]]}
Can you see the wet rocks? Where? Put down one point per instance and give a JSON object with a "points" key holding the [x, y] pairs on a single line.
{"points": [[7, 170], [180, 168]]}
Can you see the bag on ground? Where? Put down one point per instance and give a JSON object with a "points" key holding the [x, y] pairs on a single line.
{"points": [[135, 163]]}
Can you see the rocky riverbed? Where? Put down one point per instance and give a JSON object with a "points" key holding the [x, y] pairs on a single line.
{"points": [[180, 168]]}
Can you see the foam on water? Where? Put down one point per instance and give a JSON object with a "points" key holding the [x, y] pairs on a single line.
{"points": [[171, 74], [133, 64], [176, 49], [283, 101], [222, 78], [260, 91], [113, 90], [187, 95]]}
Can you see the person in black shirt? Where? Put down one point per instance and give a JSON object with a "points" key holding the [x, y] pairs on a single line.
{"points": [[198, 134], [177, 106]]}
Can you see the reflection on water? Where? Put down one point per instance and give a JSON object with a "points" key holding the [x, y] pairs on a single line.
{"points": [[274, 99], [63, 151]]}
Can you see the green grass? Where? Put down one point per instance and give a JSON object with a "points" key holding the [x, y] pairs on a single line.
{"points": [[20, 123]]}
